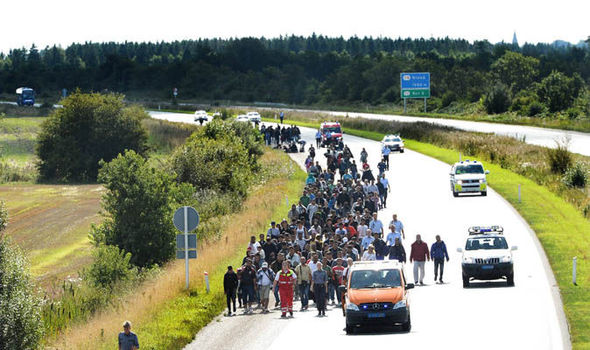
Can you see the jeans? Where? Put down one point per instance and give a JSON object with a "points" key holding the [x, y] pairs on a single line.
{"points": [[320, 293], [439, 262], [304, 292], [276, 293], [231, 299], [331, 291], [419, 271], [248, 294]]}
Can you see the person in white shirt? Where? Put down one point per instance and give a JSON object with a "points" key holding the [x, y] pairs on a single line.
{"points": [[265, 278], [369, 254], [398, 226], [362, 229], [253, 246], [313, 263], [312, 208]]}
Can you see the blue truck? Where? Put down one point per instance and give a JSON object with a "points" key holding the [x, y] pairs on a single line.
{"points": [[25, 96]]}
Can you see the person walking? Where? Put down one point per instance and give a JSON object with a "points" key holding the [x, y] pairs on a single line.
{"points": [[127, 339], [318, 139], [265, 279], [282, 116], [385, 152], [303, 271], [248, 283], [320, 288], [398, 226], [376, 226], [438, 252], [369, 254], [397, 251], [276, 266], [230, 286], [386, 189], [285, 279], [419, 255]]}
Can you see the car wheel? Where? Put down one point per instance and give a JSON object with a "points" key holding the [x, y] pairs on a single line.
{"points": [[349, 329], [402, 151], [510, 280], [455, 194], [407, 326], [465, 281], [484, 193]]}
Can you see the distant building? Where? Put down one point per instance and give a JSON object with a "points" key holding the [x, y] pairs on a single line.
{"points": [[514, 40]]}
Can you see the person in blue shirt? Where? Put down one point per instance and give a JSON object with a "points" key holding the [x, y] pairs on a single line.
{"points": [[318, 139], [127, 339], [367, 240], [385, 151], [438, 253]]}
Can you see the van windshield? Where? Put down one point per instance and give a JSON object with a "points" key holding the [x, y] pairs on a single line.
{"points": [[385, 278], [332, 129], [486, 243], [469, 169]]}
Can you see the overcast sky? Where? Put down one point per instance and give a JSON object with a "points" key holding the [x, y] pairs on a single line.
{"points": [[62, 22]]}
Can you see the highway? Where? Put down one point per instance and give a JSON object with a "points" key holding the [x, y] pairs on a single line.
{"points": [[488, 315], [579, 141]]}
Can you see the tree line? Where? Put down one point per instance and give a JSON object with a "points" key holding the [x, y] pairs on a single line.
{"points": [[311, 70]]}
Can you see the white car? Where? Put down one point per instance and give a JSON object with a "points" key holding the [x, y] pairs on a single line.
{"points": [[242, 118], [254, 117], [487, 256], [201, 116], [468, 177], [394, 142]]}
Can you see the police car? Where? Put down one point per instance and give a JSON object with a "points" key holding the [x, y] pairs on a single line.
{"points": [[487, 256], [468, 177], [394, 142]]}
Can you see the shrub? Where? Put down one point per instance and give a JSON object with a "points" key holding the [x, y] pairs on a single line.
{"points": [[573, 113], [448, 98], [576, 176], [237, 132], [138, 208], [89, 128], [497, 99], [560, 159], [535, 108], [558, 91], [21, 325], [110, 266]]}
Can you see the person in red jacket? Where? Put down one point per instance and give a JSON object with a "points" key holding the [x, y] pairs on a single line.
{"points": [[419, 255], [286, 279]]}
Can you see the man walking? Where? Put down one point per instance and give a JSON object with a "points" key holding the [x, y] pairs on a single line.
{"points": [[398, 226], [386, 151], [285, 279], [419, 254], [282, 116], [127, 339], [438, 252], [265, 279], [248, 283], [320, 288], [230, 286], [318, 139], [303, 271], [376, 225]]}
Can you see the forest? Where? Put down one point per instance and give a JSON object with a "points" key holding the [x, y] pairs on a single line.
{"points": [[531, 80]]}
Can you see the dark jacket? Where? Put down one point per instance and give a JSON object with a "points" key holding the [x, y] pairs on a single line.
{"points": [[381, 248], [439, 250], [419, 251], [230, 281], [398, 253]]}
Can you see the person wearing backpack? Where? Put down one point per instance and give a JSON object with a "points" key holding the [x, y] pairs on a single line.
{"points": [[265, 279], [303, 282]]}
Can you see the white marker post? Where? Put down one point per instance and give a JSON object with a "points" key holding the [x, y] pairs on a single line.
{"points": [[207, 281], [186, 243], [574, 271], [519, 196]]}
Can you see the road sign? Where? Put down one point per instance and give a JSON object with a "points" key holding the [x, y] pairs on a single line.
{"points": [[417, 93], [192, 254], [186, 219], [192, 241], [192, 219]]}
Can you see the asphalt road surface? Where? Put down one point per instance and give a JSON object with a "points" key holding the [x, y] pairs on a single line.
{"points": [[489, 315], [579, 141]]}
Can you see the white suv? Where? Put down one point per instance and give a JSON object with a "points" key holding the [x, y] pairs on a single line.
{"points": [[487, 256], [254, 117], [468, 177]]}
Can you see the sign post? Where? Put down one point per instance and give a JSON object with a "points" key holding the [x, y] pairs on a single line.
{"points": [[186, 219], [415, 85]]}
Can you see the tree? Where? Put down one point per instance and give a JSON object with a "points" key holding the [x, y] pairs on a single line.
{"points": [[138, 208], [558, 91], [21, 326], [516, 70], [89, 128], [497, 100], [110, 266]]}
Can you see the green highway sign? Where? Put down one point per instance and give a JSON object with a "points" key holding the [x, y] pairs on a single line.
{"points": [[415, 93]]}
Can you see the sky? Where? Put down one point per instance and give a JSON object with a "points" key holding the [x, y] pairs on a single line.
{"points": [[63, 22]]}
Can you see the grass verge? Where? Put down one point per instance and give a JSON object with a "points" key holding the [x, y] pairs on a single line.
{"points": [[560, 227], [164, 315]]}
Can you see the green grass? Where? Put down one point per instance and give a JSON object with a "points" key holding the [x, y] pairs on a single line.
{"points": [[561, 228]]}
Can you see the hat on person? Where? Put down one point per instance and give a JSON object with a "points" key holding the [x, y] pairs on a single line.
{"points": [[265, 264]]}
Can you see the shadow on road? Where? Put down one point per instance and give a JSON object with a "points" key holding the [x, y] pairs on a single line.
{"points": [[378, 330], [488, 284]]}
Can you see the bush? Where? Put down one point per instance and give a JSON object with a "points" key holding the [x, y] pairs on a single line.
{"points": [[560, 159], [138, 208], [448, 98], [110, 267], [535, 108], [497, 100], [576, 176], [237, 132], [573, 113], [89, 128], [558, 91], [21, 325]]}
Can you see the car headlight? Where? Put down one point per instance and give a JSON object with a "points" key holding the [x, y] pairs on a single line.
{"points": [[467, 260], [506, 259], [481, 181], [460, 182], [352, 307], [400, 304]]}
